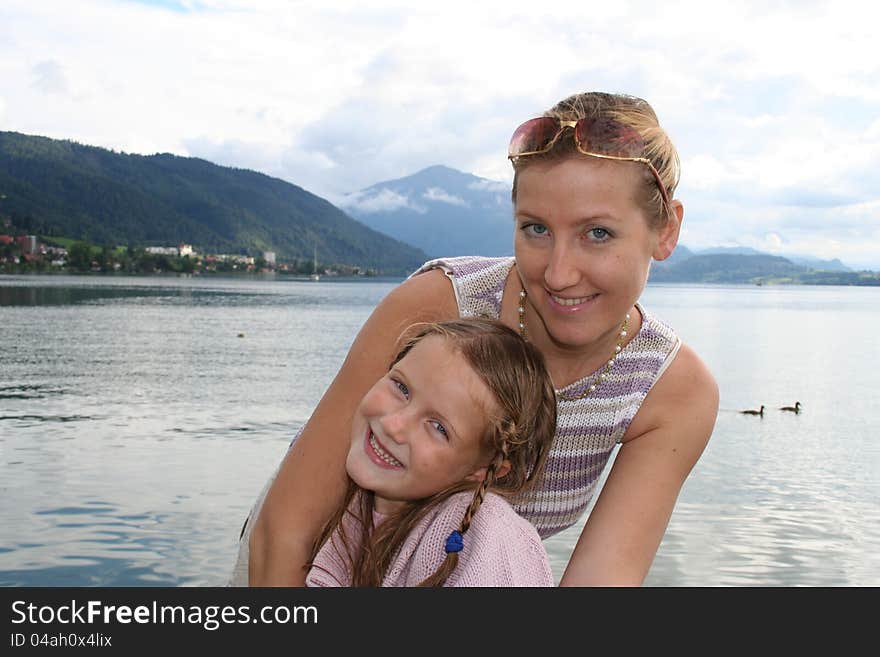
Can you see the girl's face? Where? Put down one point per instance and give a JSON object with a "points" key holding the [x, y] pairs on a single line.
{"points": [[583, 245], [418, 429]]}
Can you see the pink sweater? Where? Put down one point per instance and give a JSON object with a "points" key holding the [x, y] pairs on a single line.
{"points": [[501, 549]]}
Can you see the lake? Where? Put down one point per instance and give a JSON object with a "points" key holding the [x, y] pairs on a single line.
{"points": [[140, 417]]}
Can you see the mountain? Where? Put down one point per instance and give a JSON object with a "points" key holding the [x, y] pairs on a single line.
{"points": [[679, 254], [810, 262], [439, 210], [732, 268], [443, 211], [724, 268], [62, 188], [730, 250], [818, 263], [742, 264]]}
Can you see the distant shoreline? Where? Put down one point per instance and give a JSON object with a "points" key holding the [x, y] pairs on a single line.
{"points": [[299, 278]]}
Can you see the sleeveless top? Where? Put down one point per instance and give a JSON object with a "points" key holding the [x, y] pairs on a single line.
{"points": [[587, 430]]}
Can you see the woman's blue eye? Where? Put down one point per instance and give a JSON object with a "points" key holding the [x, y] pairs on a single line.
{"points": [[598, 234], [402, 387], [535, 229]]}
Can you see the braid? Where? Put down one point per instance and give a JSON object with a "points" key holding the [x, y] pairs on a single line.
{"points": [[451, 561]]}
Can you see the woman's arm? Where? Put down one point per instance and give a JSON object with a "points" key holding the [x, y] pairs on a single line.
{"points": [[311, 479], [661, 446]]}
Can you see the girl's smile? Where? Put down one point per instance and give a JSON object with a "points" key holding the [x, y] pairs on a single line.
{"points": [[377, 452]]}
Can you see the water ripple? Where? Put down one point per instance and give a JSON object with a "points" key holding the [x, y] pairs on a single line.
{"points": [[49, 418], [139, 428]]}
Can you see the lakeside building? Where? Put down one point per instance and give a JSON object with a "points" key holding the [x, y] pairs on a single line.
{"points": [[28, 244], [161, 250], [181, 250], [238, 259]]}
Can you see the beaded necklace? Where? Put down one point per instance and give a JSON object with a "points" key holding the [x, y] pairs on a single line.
{"points": [[608, 365]]}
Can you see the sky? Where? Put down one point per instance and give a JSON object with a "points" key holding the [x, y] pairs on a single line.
{"points": [[774, 106]]}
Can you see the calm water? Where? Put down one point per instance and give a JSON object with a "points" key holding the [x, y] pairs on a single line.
{"points": [[139, 418]]}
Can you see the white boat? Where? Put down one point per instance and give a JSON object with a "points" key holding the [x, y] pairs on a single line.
{"points": [[315, 275]]}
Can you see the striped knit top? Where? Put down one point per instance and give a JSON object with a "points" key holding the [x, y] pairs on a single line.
{"points": [[588, 429]]}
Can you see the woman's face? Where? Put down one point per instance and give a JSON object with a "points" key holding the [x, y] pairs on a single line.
{"points": [[583, 245], [419, 428]]}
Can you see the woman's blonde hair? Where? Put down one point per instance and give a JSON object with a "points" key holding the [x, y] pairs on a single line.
{"points": [[630, 111], [520, 432]]}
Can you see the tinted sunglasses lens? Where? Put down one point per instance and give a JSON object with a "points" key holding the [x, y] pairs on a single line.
{"points": [[533, 135], [607, 137]]}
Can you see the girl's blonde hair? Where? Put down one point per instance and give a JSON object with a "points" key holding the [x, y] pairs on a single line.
{"points": [[520, 432], [628, 110]]}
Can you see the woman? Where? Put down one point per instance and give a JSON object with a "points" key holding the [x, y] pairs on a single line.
{"points": [[593, 190]]}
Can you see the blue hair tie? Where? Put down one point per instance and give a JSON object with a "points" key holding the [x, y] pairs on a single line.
{"points": [[454, 542]]}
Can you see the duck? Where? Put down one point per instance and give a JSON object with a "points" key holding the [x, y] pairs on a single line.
{"points": [[753, 412], [794, 409]]}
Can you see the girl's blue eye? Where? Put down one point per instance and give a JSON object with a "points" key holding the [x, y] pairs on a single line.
{"points": [[402, 387], [440, 428]]}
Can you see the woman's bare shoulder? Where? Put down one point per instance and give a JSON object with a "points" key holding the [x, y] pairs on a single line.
{"points": [[686, 395], [690, 376], [429, 296]]}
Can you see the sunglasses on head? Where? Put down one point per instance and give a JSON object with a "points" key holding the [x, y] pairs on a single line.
{"points": [[603, 138]]}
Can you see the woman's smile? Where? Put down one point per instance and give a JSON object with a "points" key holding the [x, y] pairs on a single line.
{"points": [[570, 304]]}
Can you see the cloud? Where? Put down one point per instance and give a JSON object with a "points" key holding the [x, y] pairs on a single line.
{"points": [[383, 200], [48, 77], [778, 131], [809, 198], [173, 5], [437, 194], [773, 242], [186, 6], [232, 152], [849, 232], [488, 185]]}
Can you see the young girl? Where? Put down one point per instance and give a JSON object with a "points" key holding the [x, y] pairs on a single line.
{"points": [[467, 410]]}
